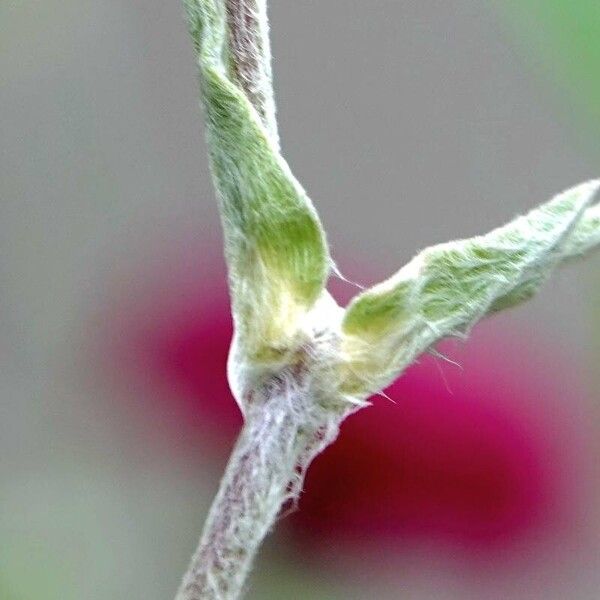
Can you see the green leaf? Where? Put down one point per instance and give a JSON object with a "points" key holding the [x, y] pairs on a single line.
{"points": [[275, 245], [447, 288]]}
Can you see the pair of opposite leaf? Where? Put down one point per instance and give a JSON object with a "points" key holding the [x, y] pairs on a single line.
{"points": [[278, 258]]}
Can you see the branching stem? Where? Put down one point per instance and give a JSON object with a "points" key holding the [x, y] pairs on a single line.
{"points": [[300, 363], [286, 425]]}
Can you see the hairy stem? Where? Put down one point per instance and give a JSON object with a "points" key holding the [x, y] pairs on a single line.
{"points": [[291, 411], [279, 439], [250, 57]]}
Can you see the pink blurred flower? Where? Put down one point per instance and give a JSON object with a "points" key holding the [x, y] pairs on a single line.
{"points": [[479, 456]]}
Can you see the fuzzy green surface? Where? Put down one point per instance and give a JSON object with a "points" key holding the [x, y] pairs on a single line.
{"points": [[447, 288], [274, 243]]}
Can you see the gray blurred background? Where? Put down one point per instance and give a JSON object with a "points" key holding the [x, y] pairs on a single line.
{"points": [[408, 122]]}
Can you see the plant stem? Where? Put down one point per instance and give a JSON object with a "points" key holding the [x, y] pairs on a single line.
{"points": [[288, 419], [280, 437], [250, 57]]}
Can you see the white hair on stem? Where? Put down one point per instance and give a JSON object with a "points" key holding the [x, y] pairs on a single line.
{"points": [[299, 364]]}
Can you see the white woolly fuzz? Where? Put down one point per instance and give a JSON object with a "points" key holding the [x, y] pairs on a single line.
{"points": [[314, 353], [284, 430], [299, 364], [291, 411], [446, 289]]}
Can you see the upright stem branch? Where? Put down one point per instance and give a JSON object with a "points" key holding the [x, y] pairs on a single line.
{"points": [[292, 410], [250, 57]]}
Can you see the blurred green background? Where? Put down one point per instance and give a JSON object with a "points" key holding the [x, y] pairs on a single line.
{"points": [[409, 122]]}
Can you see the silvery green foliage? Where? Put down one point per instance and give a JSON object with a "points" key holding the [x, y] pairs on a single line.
{"points": [[278, 264], [274, 242], [447, 288], [279, 261], [299, 363]]}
